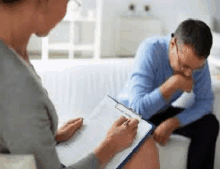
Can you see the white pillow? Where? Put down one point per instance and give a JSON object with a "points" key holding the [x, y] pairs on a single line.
{"points": [[214, 64], [174, 154], [215, 50], [10, 161]]}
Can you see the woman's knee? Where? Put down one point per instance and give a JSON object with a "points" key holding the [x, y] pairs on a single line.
{"points": [[150, 144], [145, 157], [148, 148]]}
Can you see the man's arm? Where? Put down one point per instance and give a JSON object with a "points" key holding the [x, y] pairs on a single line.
{"points": [[35, 137], [203, 92], [169, 88], [174, 83], [145, 96], [204, 98]]}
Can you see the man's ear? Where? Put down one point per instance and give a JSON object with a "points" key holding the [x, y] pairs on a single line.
{"points": [[172, 43]]}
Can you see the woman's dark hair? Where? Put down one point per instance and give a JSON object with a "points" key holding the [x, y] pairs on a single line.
{"points": [[12, 2], [197, 34], [9, 1]]}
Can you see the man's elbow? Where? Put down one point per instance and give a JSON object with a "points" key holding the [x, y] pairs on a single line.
{"points": [[140, 108]]}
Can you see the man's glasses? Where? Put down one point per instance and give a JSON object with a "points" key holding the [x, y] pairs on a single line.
{"points": [[185, 67]]}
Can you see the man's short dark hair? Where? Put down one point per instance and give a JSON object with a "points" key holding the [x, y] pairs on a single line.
{"points": [[197, 34]]}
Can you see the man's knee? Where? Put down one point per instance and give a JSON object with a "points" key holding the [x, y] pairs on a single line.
{"points": [[212, 124]]}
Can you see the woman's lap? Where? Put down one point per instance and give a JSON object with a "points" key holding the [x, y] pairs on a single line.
{"points": [[146, 157]]}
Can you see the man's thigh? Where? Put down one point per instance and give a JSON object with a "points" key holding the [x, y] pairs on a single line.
{"points": [[162, 116], [199, 127], [207, 126]]}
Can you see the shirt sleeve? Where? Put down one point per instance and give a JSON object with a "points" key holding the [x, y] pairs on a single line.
{"points": [[30, 133], [27, 127], [89, 162], [144, 98], [204, 98]]}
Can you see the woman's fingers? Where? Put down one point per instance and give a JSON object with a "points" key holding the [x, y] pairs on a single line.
{"points": [[68, 130], [74, 126], [133, 123], [73, 120], [135, 128], [134, 132], [120, 121]]}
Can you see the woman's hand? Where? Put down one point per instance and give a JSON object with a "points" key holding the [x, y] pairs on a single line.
{"points": [[68, 130], [122, 133], [119, 137]]}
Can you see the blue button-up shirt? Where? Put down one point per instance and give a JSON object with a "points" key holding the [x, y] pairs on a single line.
{"points": [[151, 69]]}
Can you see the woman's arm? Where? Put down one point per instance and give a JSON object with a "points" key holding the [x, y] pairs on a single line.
{"points": [[118, 137]]}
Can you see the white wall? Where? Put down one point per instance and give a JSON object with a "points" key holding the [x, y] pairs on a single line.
{"points": [[170, 12], [215, 5]]}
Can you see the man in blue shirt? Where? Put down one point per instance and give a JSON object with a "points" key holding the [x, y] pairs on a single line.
{"points": [[166, 67]]}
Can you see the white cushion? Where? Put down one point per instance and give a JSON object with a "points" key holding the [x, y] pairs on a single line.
{"points": [[77, 86], [17, 161], [214, 64], [174, 154], [216, 44]]}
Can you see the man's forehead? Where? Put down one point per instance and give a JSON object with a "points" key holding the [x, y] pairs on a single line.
{"points": [[190, 56], [188, 49]]}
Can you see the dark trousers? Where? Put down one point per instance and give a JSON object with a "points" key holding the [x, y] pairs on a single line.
{"points": [[203, 134]]}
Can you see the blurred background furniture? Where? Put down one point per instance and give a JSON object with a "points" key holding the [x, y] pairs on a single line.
{"points": [[129, 35], [169, 13], [74, 18]]}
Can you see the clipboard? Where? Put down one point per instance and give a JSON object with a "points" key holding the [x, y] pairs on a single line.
{"points": [[125, 110], [128, 113], [100, 121]]}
